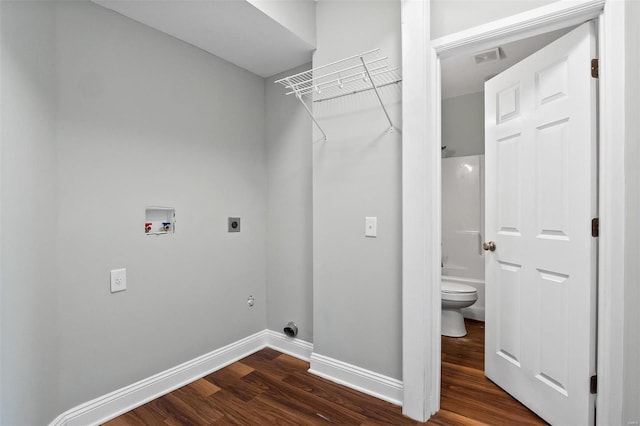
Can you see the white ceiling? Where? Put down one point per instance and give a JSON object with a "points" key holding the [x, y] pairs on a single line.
{"points": [[461, 76], [234, 30], [240, 33]]}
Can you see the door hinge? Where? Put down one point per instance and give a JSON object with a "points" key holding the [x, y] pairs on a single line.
{"points": [[595, 227], [593, 384], [595, 68]]}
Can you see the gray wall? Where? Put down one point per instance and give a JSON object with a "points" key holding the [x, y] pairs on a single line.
{"points": [[29, 346], [463, 125], [144, 119], [289, 210], [356, 173], [139, 119]]}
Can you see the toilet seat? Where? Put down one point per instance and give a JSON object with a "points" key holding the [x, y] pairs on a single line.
{"points": [[451, 287], [457, 292]]}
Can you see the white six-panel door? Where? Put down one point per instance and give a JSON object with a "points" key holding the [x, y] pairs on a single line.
{"points": [[540, 136]]}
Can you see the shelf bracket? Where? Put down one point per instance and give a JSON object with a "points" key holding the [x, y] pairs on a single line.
{"points": [[299, 96], [375, 89]]}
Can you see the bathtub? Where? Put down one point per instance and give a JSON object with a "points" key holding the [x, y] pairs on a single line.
{"points": [[475, 311]]}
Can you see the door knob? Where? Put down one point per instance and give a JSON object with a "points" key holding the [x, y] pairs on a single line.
{"points": [[489, 246]]}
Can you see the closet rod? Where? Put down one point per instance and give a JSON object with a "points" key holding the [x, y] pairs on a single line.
{"points": [[338, 81], [310, 80], [359, 91]]}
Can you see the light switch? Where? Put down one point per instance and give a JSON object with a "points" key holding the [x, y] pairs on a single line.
{"points": [[371, 227], [118, 280]]}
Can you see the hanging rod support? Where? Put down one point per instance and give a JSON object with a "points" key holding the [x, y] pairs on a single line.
{"points": [[312, 117], [375, 89], [299, 96]]}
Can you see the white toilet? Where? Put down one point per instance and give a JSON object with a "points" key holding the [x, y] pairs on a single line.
{"points": [[455, 296]]}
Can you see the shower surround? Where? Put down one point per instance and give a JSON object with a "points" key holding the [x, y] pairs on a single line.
{"points": [[463, 225]]}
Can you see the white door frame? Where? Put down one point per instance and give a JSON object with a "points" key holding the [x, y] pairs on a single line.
{"points": [[421, 188]]}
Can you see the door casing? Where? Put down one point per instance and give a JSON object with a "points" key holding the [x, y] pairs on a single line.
{"points": [[421, 199]]}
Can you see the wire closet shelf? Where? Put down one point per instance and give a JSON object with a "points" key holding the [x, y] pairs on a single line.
{"points": [[358, 73]]}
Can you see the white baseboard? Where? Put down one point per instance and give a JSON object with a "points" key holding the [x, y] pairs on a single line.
{"points": [[111, 405], [295, 347], [365, 381]]}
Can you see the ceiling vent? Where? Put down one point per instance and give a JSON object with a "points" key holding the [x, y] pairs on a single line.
{"points": [[487, 56]]}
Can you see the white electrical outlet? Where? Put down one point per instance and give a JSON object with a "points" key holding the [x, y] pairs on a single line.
{"points": [[371, 227], [118, 280]]}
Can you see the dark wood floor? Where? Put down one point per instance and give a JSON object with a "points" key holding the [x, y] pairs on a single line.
{"points": [[467, 396], [273, 388]]}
